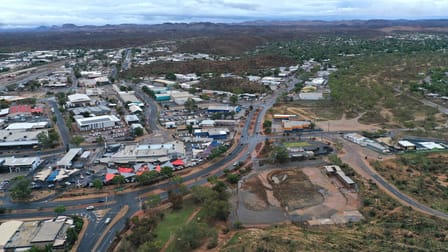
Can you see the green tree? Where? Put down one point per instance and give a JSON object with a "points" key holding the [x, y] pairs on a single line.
{"points": [[119, 180], [153, 200], [59, 209], [217, 209], [43, 139], [77, 140], [190, 105], [170, 76], [166, 171], [138, 131], [21, 189], [190, 236], [267, 126], [232, 178], [233, 100], [280, 154], [98, 184], [149, 92], [201, 193], [147, 177], [100, 139]]}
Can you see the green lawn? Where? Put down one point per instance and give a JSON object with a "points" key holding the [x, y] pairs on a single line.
{"points": [[296, 144], [173, 220]]}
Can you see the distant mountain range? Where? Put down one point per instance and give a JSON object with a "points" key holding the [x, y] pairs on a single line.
{"points": [[219, 38]]}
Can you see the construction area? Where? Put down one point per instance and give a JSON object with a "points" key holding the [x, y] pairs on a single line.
{"points": [[299, 195]]}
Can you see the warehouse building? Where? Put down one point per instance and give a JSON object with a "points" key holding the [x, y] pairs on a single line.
{"points": [[97, 122]]}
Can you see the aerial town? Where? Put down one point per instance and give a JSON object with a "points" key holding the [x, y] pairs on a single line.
{"points": [[336, 142]]}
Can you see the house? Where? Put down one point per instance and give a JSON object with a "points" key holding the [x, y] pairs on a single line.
{"points": [[23, 111], [406, 145], [66, 161], [356, 138], [97, 122]]}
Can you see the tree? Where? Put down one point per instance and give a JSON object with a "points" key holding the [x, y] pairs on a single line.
{"points": [[190, 105], [138, 131], [43, 139], [100, 139], [232, 178], [217, 209], [190, 236], [59, 209], [267, 126], [233, 100], [279, 154], [175, 199], [98, 184], [119, 180], [21, 189], [170, 76], [147, 177], [153, 200], [166, 171], [201, 193], [149, 92], [77, 140]]}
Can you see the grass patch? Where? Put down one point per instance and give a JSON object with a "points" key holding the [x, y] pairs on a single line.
{"points": [[296, 144], [173, 220]]}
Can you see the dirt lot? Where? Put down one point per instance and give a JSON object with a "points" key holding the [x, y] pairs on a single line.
{"points": [[299, 195]]}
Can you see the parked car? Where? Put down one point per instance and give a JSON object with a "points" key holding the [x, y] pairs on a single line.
{"points": [[90, 208], [107, 220]]}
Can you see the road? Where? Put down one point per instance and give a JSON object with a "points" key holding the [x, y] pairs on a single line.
{"points": [[242, 151], [60, 122]]}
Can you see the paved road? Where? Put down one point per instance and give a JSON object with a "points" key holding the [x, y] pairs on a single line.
{"points": [[60, 122], [354, 155], [95, 228]]}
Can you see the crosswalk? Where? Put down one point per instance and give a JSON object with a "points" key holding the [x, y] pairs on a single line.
{"points": [[95, 218]]}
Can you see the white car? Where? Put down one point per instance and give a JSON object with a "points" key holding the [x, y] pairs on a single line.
{"points": [[90, 208]]}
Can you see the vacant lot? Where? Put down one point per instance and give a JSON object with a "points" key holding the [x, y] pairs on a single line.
{"points": [[295, 194], [421, 175]]}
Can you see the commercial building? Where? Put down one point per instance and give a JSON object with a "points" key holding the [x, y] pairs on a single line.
{"points": [[10, 139], [76, 100], [97, 122], [223, 109], [27, 126], [291, 126], [147, 153], [21, 164], [21, 236], [66, 161]]}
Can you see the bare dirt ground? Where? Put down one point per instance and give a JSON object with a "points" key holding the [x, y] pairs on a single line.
{"points": [[37, 195], [345, 125], [282, 195]]}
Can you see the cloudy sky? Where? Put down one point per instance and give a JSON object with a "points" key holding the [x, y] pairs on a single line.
{"points": [[16, 13]]}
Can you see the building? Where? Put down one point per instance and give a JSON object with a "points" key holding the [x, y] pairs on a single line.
{"points": [[291, 126], [283, 117], [94, 111], [27, 126], [158, 153], [66, 160], [337, 171], [17, 138], [23, 111], [97, 122], [21, 164], [130, 119], [223, 109], [37, 233], [207, 123], [163, 97], [77, 100], [8, 230], [214, 133], [356, 138]]}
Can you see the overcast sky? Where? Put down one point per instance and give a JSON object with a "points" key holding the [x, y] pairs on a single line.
{"points": [[98, 12]]}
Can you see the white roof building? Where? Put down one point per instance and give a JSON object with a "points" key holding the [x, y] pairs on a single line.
{"points": [[78, 98], [17, 164], [27, 126], [8, 229], [66, 161], [97, 122]]}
